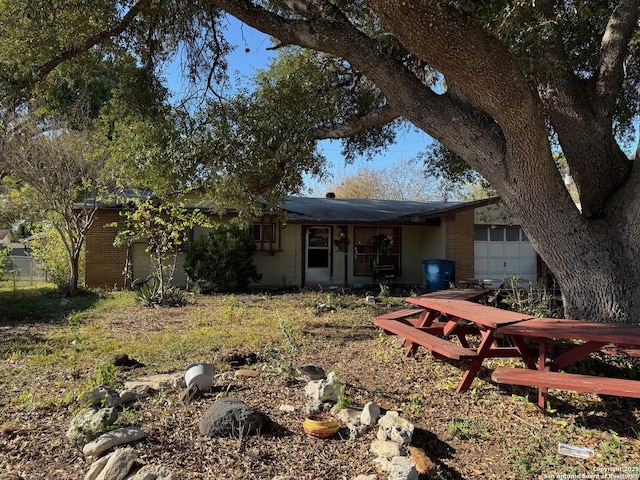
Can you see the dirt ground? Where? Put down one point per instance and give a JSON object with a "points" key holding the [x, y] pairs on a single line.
{"points": [[489, 432]]}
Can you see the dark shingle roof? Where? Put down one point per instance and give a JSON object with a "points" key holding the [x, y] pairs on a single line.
{"points": [[342, 210], [347, 210]]}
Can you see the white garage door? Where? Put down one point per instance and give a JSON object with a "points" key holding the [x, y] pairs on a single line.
{"points": [[501, 252]]}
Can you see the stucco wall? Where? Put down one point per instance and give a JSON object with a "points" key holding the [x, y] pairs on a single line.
{"points": [[281, 268], [453, 240]]}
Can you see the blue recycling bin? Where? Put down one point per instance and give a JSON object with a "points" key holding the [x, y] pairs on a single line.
{"points": [[439, 273]]}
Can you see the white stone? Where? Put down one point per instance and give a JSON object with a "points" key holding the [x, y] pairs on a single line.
{"points": [[383, 463], [387, 448], [96, 467], [118, 465], [395, 428], [403, 469], [347, 415], [370, 414], [366, 477], [287, 408], [112, 439], [326, 390]]}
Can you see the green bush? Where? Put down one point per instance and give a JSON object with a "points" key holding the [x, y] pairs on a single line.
{"points": [[151, 294], [222, 260]]}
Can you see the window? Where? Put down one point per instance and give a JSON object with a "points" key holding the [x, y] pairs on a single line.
{"points": [[496, 234], [263, 232], [481, 234], [513, 234], [265, 235], [376, 246]]}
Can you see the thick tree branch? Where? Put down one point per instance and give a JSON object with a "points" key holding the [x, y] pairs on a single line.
{"points": [[442, 116], [378, 118], [90, 42], [614, 47]]}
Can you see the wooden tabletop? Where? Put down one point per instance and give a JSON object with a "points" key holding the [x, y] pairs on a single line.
{"points": [[484, 315], [468, 294], [575, 330]]}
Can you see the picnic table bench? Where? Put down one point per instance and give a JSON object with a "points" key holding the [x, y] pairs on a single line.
{"points": [[593, 337], [438, 317], [456, 318]]}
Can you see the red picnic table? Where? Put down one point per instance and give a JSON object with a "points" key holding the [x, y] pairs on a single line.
{"points": [[459, 318], [591, 337]]}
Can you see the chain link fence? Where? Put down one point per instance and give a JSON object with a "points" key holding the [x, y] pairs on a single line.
{"points": [[23, 271]]}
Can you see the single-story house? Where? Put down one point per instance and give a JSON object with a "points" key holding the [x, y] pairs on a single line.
{"points": [[335, 241]]}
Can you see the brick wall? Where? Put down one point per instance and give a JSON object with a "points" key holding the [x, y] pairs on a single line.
{"points": [[460, 242], [104, 263]]}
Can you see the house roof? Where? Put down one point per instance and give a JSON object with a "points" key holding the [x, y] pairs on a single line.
{"points": [[349, 210]]}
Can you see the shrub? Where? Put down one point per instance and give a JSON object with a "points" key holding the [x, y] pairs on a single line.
{"points": [[151, 294], [222, 260]]}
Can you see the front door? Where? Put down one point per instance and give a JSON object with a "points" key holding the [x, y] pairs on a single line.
{"points": [[318, 255]]}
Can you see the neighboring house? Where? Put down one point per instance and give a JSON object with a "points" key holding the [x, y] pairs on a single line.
{"points": [[323, 241], [19, 264]]}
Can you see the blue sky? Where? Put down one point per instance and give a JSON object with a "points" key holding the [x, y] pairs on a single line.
{"points": [[251, 54]]}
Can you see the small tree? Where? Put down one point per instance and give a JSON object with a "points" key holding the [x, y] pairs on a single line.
{"points": [[4, 255], [166, 226], [222, 260], [52, 176], [49, 250]]}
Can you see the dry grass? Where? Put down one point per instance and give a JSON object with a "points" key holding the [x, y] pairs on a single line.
{"points": [[47, 359]]}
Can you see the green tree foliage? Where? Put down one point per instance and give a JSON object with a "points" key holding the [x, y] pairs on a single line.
{"points": [[4, 256], [48, 248], [53, 175], [501, 84], [166, 225], [222, 260]]}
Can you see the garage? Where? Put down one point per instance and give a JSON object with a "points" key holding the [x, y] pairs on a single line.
{"points": [[503, 251]]}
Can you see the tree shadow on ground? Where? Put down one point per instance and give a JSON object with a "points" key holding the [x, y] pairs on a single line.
{"points": [[437, 450], [596, 412], [41, 305]]}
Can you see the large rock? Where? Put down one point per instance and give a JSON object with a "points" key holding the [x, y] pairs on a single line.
{"points": [[326, 390], [101, 396], [112, 439], [231, 417], [370, 414], [135, 394], [395, 428], [88, 423], [387, 448], [403, 469], [96, 467], [118, 465]]}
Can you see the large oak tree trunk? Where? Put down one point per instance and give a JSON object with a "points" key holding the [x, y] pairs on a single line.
{"points": [[593, 254]]}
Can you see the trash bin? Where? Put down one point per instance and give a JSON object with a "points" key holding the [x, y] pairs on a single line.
{"points": [[439, 273]]}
